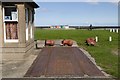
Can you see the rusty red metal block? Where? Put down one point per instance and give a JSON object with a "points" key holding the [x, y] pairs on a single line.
{"points": [[67, 42], [91, 41], [49, 43]]}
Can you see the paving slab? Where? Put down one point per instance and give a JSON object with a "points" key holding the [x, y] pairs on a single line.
{"points": [[17, 68]]}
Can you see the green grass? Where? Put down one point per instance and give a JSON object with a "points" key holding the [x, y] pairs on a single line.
{"points": [[102, 52]]}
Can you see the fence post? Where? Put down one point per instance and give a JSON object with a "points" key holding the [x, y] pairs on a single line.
{"points": [[113, 30], [110, 30], [110, 38], [117, 30], [96, 39]]}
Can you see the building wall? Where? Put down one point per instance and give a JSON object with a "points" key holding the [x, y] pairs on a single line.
{"points": [[22, 49], [17, 53], [1, 39], [21, 24], [29, 25], [1, 27], [30, 42]]}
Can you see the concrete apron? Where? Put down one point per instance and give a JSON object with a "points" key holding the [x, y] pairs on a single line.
{"points": [[17, 68]]}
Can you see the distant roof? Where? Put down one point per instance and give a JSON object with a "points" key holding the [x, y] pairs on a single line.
{"points": [[30, 2]]}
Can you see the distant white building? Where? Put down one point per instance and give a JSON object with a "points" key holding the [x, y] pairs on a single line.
{"points": [[66, 26]]}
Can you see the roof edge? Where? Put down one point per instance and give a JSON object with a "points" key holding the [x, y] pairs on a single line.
{"points": [[34, 4]]}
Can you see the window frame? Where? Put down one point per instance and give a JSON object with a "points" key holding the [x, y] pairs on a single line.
{"points": [[27, 22], [4, 22]]}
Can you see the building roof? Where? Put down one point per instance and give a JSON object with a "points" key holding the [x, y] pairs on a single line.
{"points": [[33, 4], [30, 2]]}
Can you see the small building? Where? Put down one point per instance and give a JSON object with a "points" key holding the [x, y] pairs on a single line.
{"points": [[17, 29], [66, 26], [60, 26]]}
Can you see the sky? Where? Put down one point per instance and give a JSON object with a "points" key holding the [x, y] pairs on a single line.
{"points": [[76, 13]]}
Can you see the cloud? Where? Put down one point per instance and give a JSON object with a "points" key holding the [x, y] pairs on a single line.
{"points": [[95, 2], [44, 10], [92, 1], [115, 3]]}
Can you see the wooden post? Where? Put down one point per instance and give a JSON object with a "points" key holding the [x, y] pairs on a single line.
{"points": [[113, 30], [116, 30], [96, 39], [110, 38], [110, 30]]}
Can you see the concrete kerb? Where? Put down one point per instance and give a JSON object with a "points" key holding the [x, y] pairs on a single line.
{"points": [[93, 60]]}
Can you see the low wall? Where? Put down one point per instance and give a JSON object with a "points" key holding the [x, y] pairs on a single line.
{"points": [[17, 53]]}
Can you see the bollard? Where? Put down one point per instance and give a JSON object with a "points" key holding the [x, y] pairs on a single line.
{"points": [[90, 41], [49, 43], [36, 44], [67, 42], [110, 30], [96, 39], [110, 38], [113, 30], [116, 30]]}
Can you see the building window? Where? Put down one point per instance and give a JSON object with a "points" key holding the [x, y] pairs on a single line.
{"points": [[11, 30], [11, 13], [10, 20]]}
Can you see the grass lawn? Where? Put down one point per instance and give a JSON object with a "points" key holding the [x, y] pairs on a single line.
{"points": [[103, 52]]}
